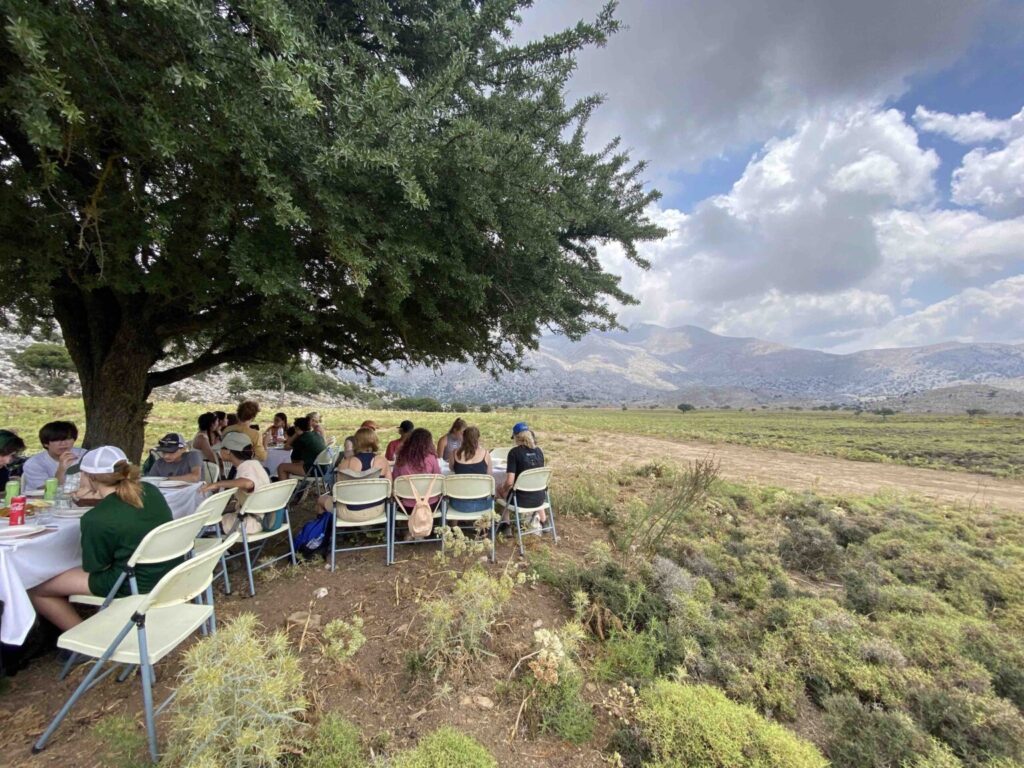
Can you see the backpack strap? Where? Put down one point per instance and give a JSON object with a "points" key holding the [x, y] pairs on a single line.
{"points": [[425, 499]]}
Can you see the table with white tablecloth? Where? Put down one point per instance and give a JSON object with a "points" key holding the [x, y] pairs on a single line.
{"points": [[500, 473], [275, 458], [182, 499], [28, 562]]}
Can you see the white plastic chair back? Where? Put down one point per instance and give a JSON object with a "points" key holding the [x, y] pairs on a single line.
{"points": [[355, 492], [187, 581], [211, 472], [534, 479], [269, 498], [332, 442], [468, 486], [402, 486], [168, 541], [500, 454], [325, 458], [359, 474], [213, 507]]}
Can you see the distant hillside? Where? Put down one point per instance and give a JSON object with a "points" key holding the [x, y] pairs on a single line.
{"points": [[652, 364], [995, 400]]}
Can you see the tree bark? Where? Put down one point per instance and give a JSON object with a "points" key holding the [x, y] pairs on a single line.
{"points": [[113, 349]]}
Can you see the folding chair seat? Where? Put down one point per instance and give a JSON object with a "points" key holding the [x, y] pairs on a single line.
{"points": [[349, 493], [469, 488], [268, 499], [212, 509], [531, 480], [406, 487], [161, 621]]}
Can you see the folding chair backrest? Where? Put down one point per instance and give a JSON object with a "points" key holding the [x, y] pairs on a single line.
{"points": [[211, 472], [168, 541], [213, 507], [359, 474], [500, 454], [533, 479], [269, 498], [325, 458], [468, 486], [403, 485], [356, 492], [187, 581]]}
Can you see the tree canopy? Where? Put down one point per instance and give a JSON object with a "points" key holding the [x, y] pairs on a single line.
{"points": [[190, 183]]}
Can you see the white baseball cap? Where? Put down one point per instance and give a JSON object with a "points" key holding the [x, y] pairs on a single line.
{"points": [[102, 460]]}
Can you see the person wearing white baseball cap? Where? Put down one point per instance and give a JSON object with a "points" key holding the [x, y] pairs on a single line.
{"points": [[236, 450], [128, 509]]}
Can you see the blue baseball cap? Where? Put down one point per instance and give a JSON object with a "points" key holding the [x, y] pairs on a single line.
{"points": [[522, 426]]}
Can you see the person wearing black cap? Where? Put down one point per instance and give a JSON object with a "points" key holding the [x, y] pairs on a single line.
{"points": [[404, 430], [174, 459]]}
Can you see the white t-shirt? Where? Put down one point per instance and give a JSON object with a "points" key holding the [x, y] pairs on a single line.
{"points": [[40, 468], [254, 472]]}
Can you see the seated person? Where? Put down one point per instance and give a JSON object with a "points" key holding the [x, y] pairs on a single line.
{"points": [[417, 457], [525, 455], [59, 454], [306, 446], [10, 447], [404, 430], [471, 459], [275, 433], [235, 450], [207, 437], [450, 442], [315, 425], [111, 531], [365, 454], [174, 459], [247, 412]]}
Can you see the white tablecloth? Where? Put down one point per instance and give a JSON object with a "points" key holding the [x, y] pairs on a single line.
{"points": [[25, 564], [499, 473], [275, 458]]}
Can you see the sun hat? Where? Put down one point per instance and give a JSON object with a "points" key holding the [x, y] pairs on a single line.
{"points": [[170, 443], [102, 460], [406, 426], [233, 441], [369, 424], [521, 426]]}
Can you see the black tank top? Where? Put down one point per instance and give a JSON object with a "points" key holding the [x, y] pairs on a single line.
{"points": [[479, 468], [365, 459]]}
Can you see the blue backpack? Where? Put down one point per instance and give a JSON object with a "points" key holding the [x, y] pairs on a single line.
{"points": [[312, 537]]}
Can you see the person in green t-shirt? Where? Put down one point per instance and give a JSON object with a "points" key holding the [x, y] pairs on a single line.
{"points": [[111, 531], [306, 446]]}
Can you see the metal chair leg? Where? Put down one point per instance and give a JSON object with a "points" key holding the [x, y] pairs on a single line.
{"points": [[291, 539], [519, 530], [248, 562], [147, 693], [334, 542]]}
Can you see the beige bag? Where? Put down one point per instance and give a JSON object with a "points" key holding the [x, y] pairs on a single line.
{"points": [[421, 517]]}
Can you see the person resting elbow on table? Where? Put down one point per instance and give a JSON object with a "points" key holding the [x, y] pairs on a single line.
{"points": [[111, 532], [175, 460], [306, 446], [236, 450]]}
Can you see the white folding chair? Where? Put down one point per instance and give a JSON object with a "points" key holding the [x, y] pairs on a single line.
{"points": [[500, 454], [212, 509], [469, 488], [321, 473], [267, 500], [211, 472], [402, 488], [349, 493], [162, 620], [531, 480]]}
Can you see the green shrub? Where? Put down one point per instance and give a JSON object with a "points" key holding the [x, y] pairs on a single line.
{"points": [[810, 547], [342, 639], [446, 748], [336, 744], [122, 742], [632, 656], [554, 686], [586, 497], [239, 695], [862, 736], [698, 727]]}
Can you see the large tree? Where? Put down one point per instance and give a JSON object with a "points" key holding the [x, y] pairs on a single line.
{"points": [[189, 183]]}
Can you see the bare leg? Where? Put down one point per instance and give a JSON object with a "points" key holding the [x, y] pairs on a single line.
{"points": [[50, 599], [326, 502], [284, 471]]}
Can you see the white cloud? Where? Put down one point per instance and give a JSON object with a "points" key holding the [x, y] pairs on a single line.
{"points": [[992, 179], [970, 128]]}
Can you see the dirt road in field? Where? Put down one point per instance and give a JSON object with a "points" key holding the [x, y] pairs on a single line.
{"points": [[822, 473]]}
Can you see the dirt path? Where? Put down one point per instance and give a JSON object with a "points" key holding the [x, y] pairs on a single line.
{"points": [[799, 472]]}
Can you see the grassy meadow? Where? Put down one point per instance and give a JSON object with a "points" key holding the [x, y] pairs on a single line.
{"points": [[992, 445]]}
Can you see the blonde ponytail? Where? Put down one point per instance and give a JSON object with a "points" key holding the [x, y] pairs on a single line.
{"points": [[125, 479]]}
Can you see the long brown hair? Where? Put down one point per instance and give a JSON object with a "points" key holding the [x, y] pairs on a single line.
{"points": [[125, 479], [459, 423], [470, 444]]}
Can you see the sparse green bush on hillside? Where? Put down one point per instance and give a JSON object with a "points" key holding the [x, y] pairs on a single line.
{"points": [[336, 744], [553, 700], [698, 727], [446, 748], [49, 363], [428, 404]]}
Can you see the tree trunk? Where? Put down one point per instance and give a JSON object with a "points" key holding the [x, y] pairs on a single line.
{"points": [[113, 348]]}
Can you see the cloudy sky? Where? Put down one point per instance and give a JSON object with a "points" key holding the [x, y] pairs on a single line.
{"points": [[837, 175]]}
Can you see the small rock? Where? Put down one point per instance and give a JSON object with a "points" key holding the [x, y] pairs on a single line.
{"points": [[538, 623], [299, 618], [482, 702], [591, 687], [465, 701], [321, 593]]}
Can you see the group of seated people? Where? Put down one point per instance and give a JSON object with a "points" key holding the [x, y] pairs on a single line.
{"points": [[124, 509]]}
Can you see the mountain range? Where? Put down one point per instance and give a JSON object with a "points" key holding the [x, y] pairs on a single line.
{"points": [[651, 364]]}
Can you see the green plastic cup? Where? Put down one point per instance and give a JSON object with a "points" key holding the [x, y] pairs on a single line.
{"points": [[50, 489], [12, 489]]}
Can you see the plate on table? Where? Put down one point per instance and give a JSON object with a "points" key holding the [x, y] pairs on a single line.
{"points": [[20, 531], [31, 507], [71, 514], [36, 494], [175, 484]]}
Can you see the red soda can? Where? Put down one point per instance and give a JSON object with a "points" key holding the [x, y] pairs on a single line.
{"points": [[17, 516]]}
